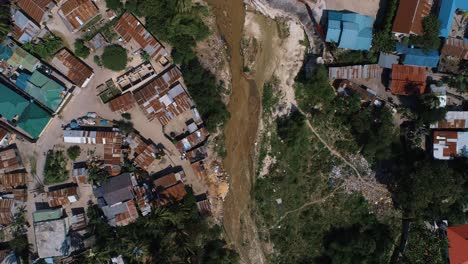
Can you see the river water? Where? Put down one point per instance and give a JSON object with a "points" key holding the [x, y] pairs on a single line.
{"points": [[241, 129]]}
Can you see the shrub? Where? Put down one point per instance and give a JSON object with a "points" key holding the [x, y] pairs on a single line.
{"points": [[73, 152], [114, 58], [46, 47], [55, 169], [80, 49], [127, 116], [97, 60], [125, 126]]}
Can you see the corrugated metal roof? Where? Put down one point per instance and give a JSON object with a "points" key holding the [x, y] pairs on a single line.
{"points": [[79, 12], [9, 159], [174, 193], [354, 33], [408, 80], [192, 140], [453, 119], [122, 103], [409, 16], [47, 215], [35, 9], [368, 71], [449, 144], [76, 70], [130, 29], [447, 12], [6, 215]]}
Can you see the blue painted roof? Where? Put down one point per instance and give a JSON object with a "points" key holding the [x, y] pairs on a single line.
{"points": [[354, 32], [333, 31], [417, 57], [447, 12]]}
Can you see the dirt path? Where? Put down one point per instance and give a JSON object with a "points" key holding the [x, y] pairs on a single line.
{"points": [[377, 188], [302, 207]]}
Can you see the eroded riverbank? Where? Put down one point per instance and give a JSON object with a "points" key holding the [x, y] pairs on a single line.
{"points": [[241, 129]]}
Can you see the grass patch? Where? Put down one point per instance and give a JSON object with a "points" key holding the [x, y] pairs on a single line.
{"points": [[55, 169]]}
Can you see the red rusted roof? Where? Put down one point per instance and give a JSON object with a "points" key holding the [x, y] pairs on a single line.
{"points": [[408, 80], [166, 181], [6, 216], [35, 9], [174, 193], [13, 179], [76, 70], [122, 103], [61, 196], [20, 194], [9, 160], [79, 12], [410, 15], [128, 216], [458, 244], [162, 98], [130, 29], [145, 158], [199, 169], [192, 140], [3, 133]]}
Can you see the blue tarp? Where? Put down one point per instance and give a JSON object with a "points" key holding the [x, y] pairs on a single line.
{"points": [[354, 31], [447, 12]]}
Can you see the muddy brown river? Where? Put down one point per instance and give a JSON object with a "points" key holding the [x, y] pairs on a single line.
{"points": [[241, 130]]}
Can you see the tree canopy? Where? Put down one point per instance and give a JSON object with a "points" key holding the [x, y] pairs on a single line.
{"points": [[80, 49], [114, 57], [429, 40], [73, 152]]}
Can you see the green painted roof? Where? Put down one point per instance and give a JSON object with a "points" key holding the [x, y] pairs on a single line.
{"points": [[32, 118], [46, 90], [47, 215]]}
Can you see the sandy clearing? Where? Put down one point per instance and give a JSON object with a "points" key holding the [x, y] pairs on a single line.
{"points": [[365, 7]]}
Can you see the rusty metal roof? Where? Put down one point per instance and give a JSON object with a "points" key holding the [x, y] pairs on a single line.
{"points": [[163, 98], [146, 157], [122, 103], [408, 80], [199, 169], [75, 69], [13, 179], [127, 217], [62, 196], [192, 140], [9, 159], [6, 216], [409, 16], [35, 9], [453, 119], [79, 12], [130, 29], [174, 193], [20, 194], [368, 71]]}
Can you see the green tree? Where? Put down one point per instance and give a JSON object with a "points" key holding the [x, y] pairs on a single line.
{"points": [[358, 244], [206, 93], [421, 191], [5, 19], [424, 246], [126, 127], [429, 40], [127, 116], [81, 50], [316, 92], [45, 47], [55, 169], [97, 60], [74, 152], [114, 57], [115, 4], [97, 175]]}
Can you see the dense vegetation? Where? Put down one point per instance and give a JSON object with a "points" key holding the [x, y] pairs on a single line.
{"points": [[206, 92], [174, 234], [55, 169], [114, 58], [429, 40], [383, 40], [81, 50], [74, 152], [5, 20], [45, 47], [178, 23]]}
